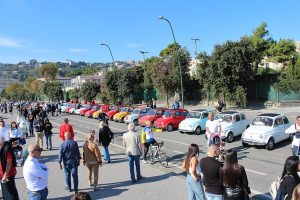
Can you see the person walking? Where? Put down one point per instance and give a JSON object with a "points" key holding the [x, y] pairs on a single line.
{"points": [[295, 130], [17, 133], [8, 171], [132, 143], [211, 174], [39, 130], [66, 127], [105, 137], [69, 154], [191, 166], [21, 120], [10, 108], [35, 174], [4, 130], [48, 133], [234, 178], [92, 159], [30, 121]]}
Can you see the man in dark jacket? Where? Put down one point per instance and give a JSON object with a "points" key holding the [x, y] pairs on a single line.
{"points": [[39, 130], [105, 137]]}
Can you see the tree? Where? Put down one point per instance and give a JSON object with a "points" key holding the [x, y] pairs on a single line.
{"points": [[74, 94], [16, 91], [53, 90], [282, 51], [49, 71], [89, 90], [32, 85]]}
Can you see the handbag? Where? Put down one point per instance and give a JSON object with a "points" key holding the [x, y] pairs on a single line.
{"points": [[236, 192]]}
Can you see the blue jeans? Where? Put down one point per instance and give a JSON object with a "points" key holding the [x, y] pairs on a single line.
{"points": [[134, 160], [106, 153], [39, 195], [71, 167], [195, 189], [295, 150], [48, 140], [210, 196]]}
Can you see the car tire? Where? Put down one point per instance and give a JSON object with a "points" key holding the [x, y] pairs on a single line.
{"points": [[198, 130], [181, 132], [230, 137], [170, 127], [270, 144], [122, 120], [135, 122], [245, 144]]}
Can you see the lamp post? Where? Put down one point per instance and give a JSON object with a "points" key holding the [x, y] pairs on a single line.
{"points": [[144, 52], [178, 60], [195, 40], [103, 44]]}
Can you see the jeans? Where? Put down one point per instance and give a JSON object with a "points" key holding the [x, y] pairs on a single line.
{"points": [[134, 160], [30, 129], [106, 153], [48, 140], [39, 195], [210, 196], [71, 167], [195, 189], [295, 150]]}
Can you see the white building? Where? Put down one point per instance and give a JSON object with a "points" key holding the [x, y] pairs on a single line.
{"points": [[79, 80], [297, 43], [193, 66]]}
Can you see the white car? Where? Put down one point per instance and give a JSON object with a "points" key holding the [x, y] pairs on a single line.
{"points": [[194, 123], [232, 124], [135, 115], [266, 130], [77, 111]]}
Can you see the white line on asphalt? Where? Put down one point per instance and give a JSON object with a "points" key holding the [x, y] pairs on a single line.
{"points": [[256, 172], [179, 152]]}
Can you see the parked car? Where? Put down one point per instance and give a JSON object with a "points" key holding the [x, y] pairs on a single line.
{"points": [[171, 119], [114, 110], [92, 111], [83, 111], [67, 108], [64, 106], [124, 111], [195, 122], [233, 124], [151, 115], [83, 107], [135, 115], [71, 110], [266, 130]]}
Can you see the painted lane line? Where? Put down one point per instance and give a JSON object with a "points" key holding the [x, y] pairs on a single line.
{"points": [[179, 152], [256, 172]]}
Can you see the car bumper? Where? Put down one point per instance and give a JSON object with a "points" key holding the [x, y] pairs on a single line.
{"points": [[161, 126], [254, 142], [186, 130]]}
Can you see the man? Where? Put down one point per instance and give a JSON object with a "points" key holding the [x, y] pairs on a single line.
{"points": [[210, 168], [212, 127], [8, 170], [147, 139], [4, 130], [70, 156], [38, 124], [132, 143], [35, 174], [66, 127], [295, 129], [175, 105]]}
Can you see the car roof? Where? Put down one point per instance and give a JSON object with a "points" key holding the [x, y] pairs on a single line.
{"points": [[229, 112], [269, 114], [199, 110]]}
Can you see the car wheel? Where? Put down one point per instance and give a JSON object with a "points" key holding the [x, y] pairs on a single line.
{"points": [[230, 137], [122, 120], [270, 144], [181, 132], [170, 127], [198, 130], [135, 122], [245, 144], [206, 137]]}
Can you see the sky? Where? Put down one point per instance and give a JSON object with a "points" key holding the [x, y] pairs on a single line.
{"points": [[58, 30]]}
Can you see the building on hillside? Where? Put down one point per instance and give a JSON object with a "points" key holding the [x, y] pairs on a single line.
{"points": [[270, 65], [66, 81], [4, 82], [79, 80], [193, 66], [297, 43]]}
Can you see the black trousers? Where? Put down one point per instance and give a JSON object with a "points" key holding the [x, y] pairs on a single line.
{"points": [[9, 189]]}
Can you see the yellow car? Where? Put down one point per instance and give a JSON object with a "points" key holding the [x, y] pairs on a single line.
{"points": [[119, 117], [97, 113]]}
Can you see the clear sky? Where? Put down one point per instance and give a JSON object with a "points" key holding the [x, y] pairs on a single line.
{"points": [[56, 30]]}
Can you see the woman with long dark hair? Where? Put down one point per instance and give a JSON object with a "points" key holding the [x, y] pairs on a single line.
{"points": [[234, 178], [191, 166]]}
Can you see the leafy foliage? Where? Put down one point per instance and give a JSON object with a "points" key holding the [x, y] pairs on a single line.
{"points": [[53, 90], [74, 94], [282, 51], [89, 90], [49, 71]]}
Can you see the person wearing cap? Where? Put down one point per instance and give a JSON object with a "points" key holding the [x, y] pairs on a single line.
{"points": [[4, 130], [35, 174], [66, 127], [92, 159]]}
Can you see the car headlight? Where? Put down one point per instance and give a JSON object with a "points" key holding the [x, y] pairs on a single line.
{"points": [[261, 137]]}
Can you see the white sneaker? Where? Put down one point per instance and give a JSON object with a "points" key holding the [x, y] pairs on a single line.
{"points": [[144, 161]]}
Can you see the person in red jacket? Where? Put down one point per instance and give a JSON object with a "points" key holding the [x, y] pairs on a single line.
{"points": [[66, 127]]}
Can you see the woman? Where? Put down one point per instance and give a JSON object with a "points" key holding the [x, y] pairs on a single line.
{"points": [[92, 159], [296, 193], [289, 178], [30, 121], [191, 166], [234, 177], [105, 137], [48, 133], [21, 120], [15, 132]]}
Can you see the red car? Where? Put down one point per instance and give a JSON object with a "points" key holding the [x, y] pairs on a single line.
{"points": [[171, 119], [112, 111], [91, 112], [152, 115], [68, 108], [83, 111]]}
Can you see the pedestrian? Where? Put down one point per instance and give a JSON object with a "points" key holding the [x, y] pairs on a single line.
{"points": [[234, 178], [39, 130], [4, 130], [296, 193], [103, 117], [147, 139], [53, 109], [132, 143], [211, 174], [105, 137], [48, 133], [82, 196], [59, 108], [295, 130], [70, 156], [8, 170], [92, 159], [15, 132], [191, 166], [21, 120], [289, 178], [10, 108], [35, 174], [30, 121], [175, 105], [151, 103], [213, 127], [66, 127]]}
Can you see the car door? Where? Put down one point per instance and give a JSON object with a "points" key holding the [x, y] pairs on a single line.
{"points": [[286, 124], [244, 122], [236, 124], [278, 129], [177, 119], [203, 120]]}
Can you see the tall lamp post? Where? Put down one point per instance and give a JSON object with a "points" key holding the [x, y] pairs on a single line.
{"points": [[178, 60], [144, 52], [103, 44], [195, 40]]}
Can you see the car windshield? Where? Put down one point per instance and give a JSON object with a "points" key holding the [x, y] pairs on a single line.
{"points": [[94, 107], [168, 113], [136, 111], [262, 121], [193, 115], [124, 109], [151, 112], [224, 118], [113, 108]]}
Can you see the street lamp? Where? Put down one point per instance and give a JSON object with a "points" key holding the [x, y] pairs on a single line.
{"points": [[195, 39], [144, 52], [178, 60], [103, 44]]}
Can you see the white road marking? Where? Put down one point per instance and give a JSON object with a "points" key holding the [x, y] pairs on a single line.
{"points": [[256, 172], [179, 152]]}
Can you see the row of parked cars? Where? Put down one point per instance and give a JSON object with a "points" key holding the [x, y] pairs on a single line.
{"points": [[264, 130]]}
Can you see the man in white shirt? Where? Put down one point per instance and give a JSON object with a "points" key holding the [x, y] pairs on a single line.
{"points": [[35, 174], [295, 129], [212, 127], [4, 130]]}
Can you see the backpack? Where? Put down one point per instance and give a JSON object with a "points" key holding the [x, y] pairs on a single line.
{"points": [[275, 190]]}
